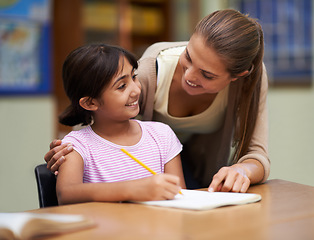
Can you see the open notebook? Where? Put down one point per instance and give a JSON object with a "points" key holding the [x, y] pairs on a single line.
{"points": [[203, 200], [25, 225]]}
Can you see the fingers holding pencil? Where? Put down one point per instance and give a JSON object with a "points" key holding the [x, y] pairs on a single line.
{"points": [[157, 187], [166, 185]]}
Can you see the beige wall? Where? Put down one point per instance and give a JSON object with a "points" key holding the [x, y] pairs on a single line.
{"points": [[27, 126], [291, 134]]}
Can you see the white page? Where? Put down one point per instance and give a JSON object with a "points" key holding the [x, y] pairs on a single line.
{"points": [[203, 200]]}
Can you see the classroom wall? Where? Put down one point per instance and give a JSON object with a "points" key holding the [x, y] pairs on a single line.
{"points": [[291, 131], [27, 126]]}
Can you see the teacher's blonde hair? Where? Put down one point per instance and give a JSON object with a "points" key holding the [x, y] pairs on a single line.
{"points": [[238, 40]]}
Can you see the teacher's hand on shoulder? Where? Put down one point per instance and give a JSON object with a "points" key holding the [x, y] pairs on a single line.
{"points": [[55, 157]]}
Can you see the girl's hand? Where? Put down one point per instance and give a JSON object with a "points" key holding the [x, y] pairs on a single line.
{"points": [[158, 187], [55, 157], [230, 179]]}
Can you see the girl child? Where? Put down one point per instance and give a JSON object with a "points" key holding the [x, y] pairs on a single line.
{"points": [[100, 80]]}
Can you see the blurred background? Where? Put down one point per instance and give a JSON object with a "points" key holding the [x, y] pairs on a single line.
{"points": [[37, 35]]}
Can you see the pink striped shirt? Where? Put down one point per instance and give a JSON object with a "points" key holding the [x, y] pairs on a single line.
{"points": [[105, 162]]}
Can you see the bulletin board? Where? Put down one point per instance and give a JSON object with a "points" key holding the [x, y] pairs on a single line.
{"points": [[287, 26], [25, 47]]}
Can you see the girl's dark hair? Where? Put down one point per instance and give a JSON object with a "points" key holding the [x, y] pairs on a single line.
{"points": [[238, 40], [86, 72]]}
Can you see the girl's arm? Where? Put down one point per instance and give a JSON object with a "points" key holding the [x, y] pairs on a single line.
{"points": [[71, 189], [174, 167]]}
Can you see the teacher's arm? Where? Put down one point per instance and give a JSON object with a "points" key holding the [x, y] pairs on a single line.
{"points": [[254, 167]]}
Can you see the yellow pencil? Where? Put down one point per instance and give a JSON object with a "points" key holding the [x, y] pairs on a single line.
{"points": [[139, 162]]}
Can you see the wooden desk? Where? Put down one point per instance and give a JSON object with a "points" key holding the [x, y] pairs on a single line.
{"points": [[285, 212]]}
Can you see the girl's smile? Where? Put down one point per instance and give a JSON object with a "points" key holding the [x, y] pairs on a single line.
{"points": [[133, 104]]}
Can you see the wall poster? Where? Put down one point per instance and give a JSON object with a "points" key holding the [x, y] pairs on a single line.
{"points": [[25, 47]]}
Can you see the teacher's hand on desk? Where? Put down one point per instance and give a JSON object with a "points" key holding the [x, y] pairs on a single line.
{"points": [[238, 177]]}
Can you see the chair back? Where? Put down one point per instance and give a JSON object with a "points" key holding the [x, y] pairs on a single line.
{"points": [[46, 185]]}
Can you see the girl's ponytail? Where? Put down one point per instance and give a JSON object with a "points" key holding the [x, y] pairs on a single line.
{"points": [[74, 116]]}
